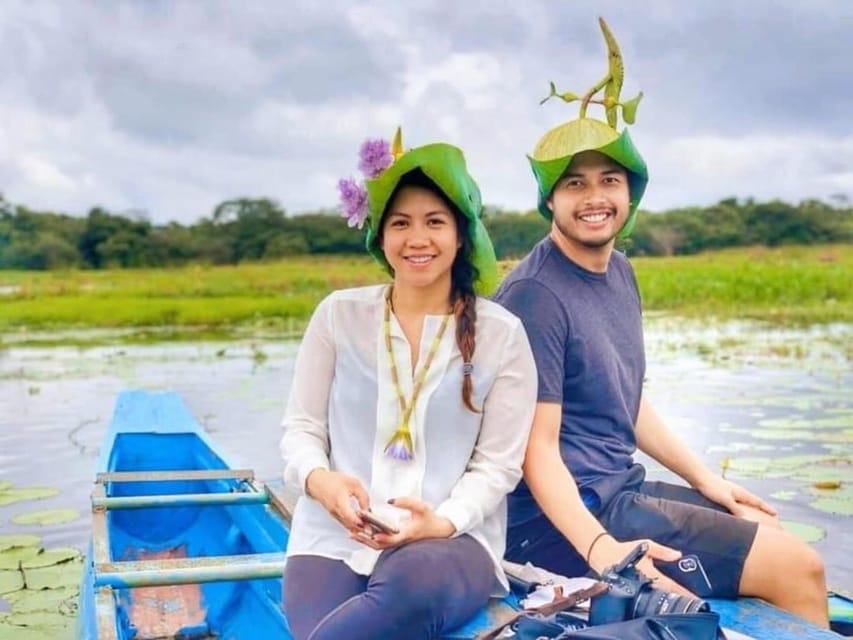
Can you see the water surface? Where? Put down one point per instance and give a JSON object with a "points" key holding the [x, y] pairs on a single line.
{"points": [[773, 406]]}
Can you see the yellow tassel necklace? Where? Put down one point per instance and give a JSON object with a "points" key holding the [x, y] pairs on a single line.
{"points": [[400, 445]]}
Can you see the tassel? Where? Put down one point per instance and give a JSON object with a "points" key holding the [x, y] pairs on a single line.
{"points": [[400, 446]]}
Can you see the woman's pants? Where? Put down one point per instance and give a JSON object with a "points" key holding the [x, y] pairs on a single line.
{"points": [[418, 590]]}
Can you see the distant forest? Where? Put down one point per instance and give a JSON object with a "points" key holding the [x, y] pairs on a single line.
{"points": [[247, 229]]}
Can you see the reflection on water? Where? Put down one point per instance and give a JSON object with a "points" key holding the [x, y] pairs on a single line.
{"points": [[771, 406]]}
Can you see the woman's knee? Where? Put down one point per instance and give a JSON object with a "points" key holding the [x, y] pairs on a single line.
{"points": [[437, 570]]}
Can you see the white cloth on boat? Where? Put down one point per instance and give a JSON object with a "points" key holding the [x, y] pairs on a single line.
{"points": [[343, 408]]}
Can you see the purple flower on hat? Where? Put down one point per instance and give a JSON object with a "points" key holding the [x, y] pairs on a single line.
{"points": [[374, 157], [353, 202]]}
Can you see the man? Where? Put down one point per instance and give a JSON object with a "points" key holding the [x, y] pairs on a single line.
{"points": [[584, 502]]}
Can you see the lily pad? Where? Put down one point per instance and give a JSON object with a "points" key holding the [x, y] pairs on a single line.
{"points": [[66, 574], [37, 619], [11, 559], [784, 495], [738, 447], [835, 422], [10, 496], [18, 541], [11, 581], [804, 468], [837, 504], [36, 626], [50, 558], [14, 632], [806, 532], [47, 517], [5, 484], [62, 599]]}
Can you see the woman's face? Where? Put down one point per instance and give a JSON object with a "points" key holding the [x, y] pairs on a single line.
{"points": [[420, 238]]}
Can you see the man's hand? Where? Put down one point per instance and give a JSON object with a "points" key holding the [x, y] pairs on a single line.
{"points": [[340, 494], [424, 523], [736, 499], [607, 552]]}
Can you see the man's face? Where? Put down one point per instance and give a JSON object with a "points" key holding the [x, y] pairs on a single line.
{"points": [[590, 202]]}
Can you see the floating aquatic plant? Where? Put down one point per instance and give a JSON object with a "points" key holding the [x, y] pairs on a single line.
{"points": [[806, 532], [783, 495], [12, 495], [11, 559], [11, 581], [14, 541], [837, 501], [47, 517]]}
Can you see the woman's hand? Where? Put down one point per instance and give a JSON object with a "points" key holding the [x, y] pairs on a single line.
{"points": [[340, 494], [608, 551], [424, 523]]}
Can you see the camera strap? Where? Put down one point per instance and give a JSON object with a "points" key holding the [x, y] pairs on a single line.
{"points": [[545, 610]]}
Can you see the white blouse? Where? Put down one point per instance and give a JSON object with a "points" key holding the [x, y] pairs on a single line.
{"points": [[343, 409]]}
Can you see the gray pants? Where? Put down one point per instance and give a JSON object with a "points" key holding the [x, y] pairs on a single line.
{"points": [[416, 591]]}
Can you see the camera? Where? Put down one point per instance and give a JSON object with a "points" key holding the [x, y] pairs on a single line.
{"points": [[630, 594]]}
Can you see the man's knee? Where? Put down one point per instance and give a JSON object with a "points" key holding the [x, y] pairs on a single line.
{"points": [[762, 570], [811, 564]]}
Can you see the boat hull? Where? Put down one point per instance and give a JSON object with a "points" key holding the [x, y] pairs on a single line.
{"points": [[149, 534]]}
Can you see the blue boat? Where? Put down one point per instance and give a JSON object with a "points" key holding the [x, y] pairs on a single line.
{"points": [[184, 546]]}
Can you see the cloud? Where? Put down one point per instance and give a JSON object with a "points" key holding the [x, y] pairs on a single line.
{"points": [[172, 107], [789, 167]]}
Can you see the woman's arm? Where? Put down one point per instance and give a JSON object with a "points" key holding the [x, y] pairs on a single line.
{"points": [[305, 444]]}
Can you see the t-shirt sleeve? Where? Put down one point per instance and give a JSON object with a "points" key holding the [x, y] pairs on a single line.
{"points": [[547, 328]]}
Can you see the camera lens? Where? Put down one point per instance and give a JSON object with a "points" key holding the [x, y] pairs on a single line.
{"points": [[652, 601]]}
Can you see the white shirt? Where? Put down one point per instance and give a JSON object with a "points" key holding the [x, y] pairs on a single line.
{"points": [[343, 409]]}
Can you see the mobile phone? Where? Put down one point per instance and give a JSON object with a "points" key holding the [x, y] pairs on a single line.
{"points": [[376, 523], [688, 572]]}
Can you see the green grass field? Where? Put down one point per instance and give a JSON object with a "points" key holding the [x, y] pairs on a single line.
{"points": [[791, 285]]}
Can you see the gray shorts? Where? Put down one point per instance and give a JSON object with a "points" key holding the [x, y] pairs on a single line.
{"points": [[671, 515]]}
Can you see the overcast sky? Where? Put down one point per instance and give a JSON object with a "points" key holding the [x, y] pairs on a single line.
{"points": [[172, 107]]}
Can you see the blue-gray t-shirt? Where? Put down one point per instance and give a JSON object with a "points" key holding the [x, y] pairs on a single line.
{"points": [[585, 329]]}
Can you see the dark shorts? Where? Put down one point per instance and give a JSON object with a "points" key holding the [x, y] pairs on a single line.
{"points": [[671, 515]]}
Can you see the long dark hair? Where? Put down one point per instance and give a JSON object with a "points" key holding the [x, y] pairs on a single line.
{"points": [[463, 274]]}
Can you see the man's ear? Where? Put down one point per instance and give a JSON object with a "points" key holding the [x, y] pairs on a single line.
{"points": [[550, 204]]}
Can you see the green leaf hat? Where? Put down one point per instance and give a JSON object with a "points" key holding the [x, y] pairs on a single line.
{"points": [[556, 149], [444, 165]]}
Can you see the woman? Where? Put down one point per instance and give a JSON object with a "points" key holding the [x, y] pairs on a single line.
{"points": [[395, 415]]}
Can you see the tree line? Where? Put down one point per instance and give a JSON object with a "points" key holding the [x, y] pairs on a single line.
{"points": [[249, 229]]}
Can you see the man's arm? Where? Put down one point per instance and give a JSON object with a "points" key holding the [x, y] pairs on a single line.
{"points": [[656, 440], [556, 491]]}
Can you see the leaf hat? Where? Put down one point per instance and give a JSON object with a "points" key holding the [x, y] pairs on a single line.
{"points": [[556, 149]]}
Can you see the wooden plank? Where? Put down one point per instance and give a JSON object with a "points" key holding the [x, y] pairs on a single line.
{"points": [[100, 531], [181, 474], [280, 502], [105, 614]]}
